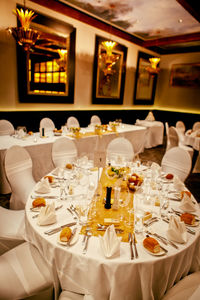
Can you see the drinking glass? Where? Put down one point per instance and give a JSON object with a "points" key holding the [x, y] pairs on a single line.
{"points": [[138, 215]]}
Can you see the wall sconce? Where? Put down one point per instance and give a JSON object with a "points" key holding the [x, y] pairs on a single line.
{"points": [[109, 58], [24, 35], [153, 70], [62, 61]]}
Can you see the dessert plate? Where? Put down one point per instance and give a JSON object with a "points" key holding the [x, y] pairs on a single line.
{"points": [[161, 253]]}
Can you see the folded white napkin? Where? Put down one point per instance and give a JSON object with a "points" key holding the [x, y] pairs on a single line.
{"points": [[188, 203], [156, 167], [21, 133], [110, 243], [178, 184], [177, 230], [47, 215], [43, 186], [58, 172], [150, 117]]}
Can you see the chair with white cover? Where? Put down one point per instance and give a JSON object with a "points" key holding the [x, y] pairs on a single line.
{"points": [[18, 168], [196, 126], [64, 151], [180, 127], [25, 274], [167, 135], [12, 228], [187, 288], [178, 162], [95, 120], [119, 150], [6, 127], [67, 295], [72, 122], [174, 141], [47, 124]]}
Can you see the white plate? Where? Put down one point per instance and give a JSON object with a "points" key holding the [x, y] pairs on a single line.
{"points": [[161, 253], [73, 241], [196, 223], [36, 209]]}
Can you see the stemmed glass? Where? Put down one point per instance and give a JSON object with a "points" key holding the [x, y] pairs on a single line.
{"points": [[138, 215]]}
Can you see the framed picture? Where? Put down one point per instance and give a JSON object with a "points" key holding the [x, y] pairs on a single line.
{"points": [[185, 75], [108, 74], [46, 72], [145, 83]]}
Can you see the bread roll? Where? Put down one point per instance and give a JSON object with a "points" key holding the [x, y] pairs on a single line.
{"points": [[38, 202], [65, 234], [151, 245], [50, 178], [188, 218], [69, 166]]}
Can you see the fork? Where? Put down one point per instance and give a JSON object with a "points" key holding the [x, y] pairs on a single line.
{"points": [[71, 212]]}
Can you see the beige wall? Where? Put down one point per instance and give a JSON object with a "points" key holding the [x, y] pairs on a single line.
{"points": [[176, 98], [85, 47]]}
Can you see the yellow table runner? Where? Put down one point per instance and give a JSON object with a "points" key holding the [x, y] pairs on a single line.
{"points": [[99, 215]]}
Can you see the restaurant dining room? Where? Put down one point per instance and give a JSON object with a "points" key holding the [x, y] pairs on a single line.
{"points": [[99, 150]]}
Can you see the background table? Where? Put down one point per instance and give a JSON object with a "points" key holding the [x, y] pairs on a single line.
{"points": [[146, 278], [41, 155], [154, 134]]}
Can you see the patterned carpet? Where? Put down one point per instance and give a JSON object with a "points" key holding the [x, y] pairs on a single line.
{"points": [[154, 155]]}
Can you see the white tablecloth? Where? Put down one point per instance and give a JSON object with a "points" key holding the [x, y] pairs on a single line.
{"points": [[193, 141], [146, 278], [40, 151], [154, 134]]}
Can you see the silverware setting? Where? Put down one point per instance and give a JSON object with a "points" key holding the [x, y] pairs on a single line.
{"points": [[71, 238], [161, 247], [163, 239], [131, 245], [56, 208], [88, 235], [101, 227], [57, 229], [73, 215], [135, 247], [45, 196], [150, 221], [179, 213]]}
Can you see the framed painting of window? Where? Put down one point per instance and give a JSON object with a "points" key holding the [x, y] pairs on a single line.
{"points": [[145, 83], [109, 73], [46, 72]]}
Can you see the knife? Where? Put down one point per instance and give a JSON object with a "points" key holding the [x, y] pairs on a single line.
{"points": [[131, 245], [135, 247], [54, 230], [73, 233]]}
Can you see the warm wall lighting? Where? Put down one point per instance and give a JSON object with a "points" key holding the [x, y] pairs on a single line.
{"points": [[24, 35], [109, 58], [153, 70], [62, 61]]}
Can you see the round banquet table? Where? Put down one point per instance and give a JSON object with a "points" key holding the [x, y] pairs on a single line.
{"points": [[146, 277], [194, 141]]}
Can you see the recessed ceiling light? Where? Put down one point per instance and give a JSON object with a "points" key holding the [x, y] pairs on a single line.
{"points": [[180, 20]]}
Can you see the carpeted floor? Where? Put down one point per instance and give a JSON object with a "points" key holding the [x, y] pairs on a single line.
{"points": [[155, 155]]}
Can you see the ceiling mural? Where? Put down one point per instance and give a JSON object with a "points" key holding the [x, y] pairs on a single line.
{"points": [[147, 19]]}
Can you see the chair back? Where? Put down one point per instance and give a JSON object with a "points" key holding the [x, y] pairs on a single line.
{"points": [[6, 128], [47, 123], [18, 168], [64, 151], [196, 126], [178, 162], [72, 122], [173, 137], [119, 150], [95, 120], [12, 228], [180, 126]]}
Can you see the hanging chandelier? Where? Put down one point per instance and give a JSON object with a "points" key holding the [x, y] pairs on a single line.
{"points": [[153, 69], [24, 35]]}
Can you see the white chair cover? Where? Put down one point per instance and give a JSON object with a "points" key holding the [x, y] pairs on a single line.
{"points": [[175, 141], [12, 228], [64, 151], [6, 128], [72, 122], [18, 168], [120, 148], [196, 126], [95, 120], [48, 124], [167, 135], [67, 295], [180, 126], [177, 161], [187, 288], [23, 273]]}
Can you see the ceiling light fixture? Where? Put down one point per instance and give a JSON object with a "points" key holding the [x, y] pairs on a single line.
{"points": [[24, 35], [153, 69]]}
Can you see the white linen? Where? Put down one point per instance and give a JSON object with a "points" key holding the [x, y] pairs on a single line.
{"points": [[110, 243], [40, 149], [188, 204], [155, 132], [150, 117], [118, 277], [47, 215], [178, 184], [43, 186], [177, 230]]}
